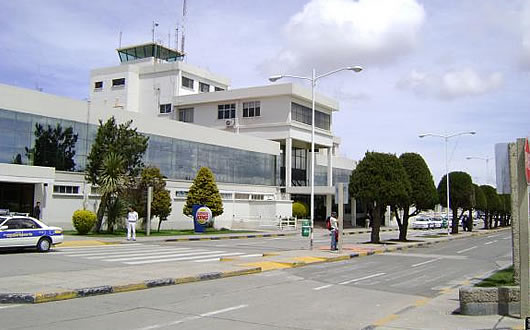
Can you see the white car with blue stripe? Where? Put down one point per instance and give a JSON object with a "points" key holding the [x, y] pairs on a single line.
{"points": [[28, 232]]}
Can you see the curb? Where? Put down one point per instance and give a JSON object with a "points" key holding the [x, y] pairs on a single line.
{"points": [[44, 297], [216, 238]]}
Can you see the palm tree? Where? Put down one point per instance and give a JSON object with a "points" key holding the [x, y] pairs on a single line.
{"points": [[112, 184]]}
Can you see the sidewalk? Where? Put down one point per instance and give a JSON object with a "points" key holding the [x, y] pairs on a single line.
{"points": [[79, 240]]}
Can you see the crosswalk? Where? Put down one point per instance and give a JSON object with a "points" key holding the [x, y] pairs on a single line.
{"points": [[140, 254]]}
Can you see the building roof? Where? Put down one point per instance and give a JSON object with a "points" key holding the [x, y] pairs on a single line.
{"points": [[151, 49]]}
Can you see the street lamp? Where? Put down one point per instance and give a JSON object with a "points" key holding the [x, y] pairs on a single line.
{"points": [[487, 160], [446, 138], [313, 79]]}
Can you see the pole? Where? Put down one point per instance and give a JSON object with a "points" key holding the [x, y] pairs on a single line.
{"points": [[447, 180], [341, 214], [149, 200], [313, 83]]}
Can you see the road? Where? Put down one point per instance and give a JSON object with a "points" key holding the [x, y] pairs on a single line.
{"points": [[354, 294], [122, 255]]}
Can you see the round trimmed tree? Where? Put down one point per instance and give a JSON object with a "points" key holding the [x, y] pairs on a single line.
{"points": [[460, 194], [204, 191], [379, 180]]}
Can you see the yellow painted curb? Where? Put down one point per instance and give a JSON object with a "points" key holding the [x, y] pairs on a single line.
{"points": [[227, 258], [242, 272], [83, 243], [129, 287], [310, 260], [421, 302], [267, 265], [362, 254], [270, 254], [48, 297], [189, 279], [341, 258]]}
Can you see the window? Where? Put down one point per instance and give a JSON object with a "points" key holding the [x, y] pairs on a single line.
{"points": [[66, 190], [303, 114], [98, 85], [219, 89], [251, 109], [242, 196], [21, 223], [226, 195], [118, 82], [181, 193], [186, 115], [204, 88], [165, 108], [187, 82], [226, 111]]}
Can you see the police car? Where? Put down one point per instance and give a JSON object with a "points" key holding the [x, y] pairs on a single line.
{"points": [[21, 231]]}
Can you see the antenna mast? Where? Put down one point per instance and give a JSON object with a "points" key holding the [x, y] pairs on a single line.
{"points": [[183, 40]]}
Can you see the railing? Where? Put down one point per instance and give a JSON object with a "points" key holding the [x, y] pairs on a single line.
{"points": [[261, 222]]}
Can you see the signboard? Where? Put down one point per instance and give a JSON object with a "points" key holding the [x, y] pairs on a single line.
{"points": [[502, 168], [346, 193], [527, 160], [201, 216]]}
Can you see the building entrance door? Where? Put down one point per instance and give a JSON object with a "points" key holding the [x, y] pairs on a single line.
{"points": [[17, 197]]}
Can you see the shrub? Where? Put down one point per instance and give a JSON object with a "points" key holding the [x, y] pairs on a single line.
{"points": [[299, 210], [83, 221]]}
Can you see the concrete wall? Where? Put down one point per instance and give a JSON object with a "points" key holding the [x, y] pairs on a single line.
{"points": [[489, 301]]}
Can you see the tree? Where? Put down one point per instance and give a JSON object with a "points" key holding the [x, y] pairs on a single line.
{"points": [[379, 180], [112, 183], [204, 191], [461, 190], [121, 140], [54, 147], [506, 209], [161, 205], [479, 201], [493, 205], [422, 196]]}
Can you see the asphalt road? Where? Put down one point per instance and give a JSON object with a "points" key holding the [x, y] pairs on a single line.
{"points": [[87, 258], [345, 295]]}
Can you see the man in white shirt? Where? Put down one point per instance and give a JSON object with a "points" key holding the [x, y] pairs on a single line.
{"points": [[132, 217], [334, 230]]}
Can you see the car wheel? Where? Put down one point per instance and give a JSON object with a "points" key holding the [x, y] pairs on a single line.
{"points": [[44, 244]]}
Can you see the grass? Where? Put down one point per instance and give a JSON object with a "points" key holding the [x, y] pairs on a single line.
{"points": [[503, 277], [163, 232]]}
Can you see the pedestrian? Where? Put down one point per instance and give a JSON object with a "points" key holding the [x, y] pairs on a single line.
{"points": [[36, 211], [334, 230], [464, 223], [132, 217]]}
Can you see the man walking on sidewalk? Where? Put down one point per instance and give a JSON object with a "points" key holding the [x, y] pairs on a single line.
{"points": [[334, 230], [132, 217]]}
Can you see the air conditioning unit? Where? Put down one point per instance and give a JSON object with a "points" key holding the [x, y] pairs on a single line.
{"points": [[229, 123]]}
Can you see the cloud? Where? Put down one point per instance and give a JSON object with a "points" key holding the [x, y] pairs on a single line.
{"points": [[452, 84], [330, 33], [525, 24]]}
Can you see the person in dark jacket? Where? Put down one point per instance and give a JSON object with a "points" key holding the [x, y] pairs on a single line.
{"points": [[36, 211]]}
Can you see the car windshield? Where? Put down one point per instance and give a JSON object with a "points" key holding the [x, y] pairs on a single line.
{"points": [[2, 219]]}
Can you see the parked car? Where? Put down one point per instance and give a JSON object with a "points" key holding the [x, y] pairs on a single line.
{"points": [[437, 222], [422, 223], [27, 232]]}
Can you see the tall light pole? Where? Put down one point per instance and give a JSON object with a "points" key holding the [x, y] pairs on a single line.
{"points": [[313, 79], [446, 138], [487, 160]]}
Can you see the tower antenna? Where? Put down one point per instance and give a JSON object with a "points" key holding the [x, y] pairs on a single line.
{"points": [[183, 40]]}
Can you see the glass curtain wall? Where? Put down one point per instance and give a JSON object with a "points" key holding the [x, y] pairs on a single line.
{"points": [[177, 159]]}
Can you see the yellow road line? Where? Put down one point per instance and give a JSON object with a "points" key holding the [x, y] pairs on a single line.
{"points": [[83, 243], [385, 320], [268, 265]]}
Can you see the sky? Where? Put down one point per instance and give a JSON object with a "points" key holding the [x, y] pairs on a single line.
{"points": [[430, 66]]}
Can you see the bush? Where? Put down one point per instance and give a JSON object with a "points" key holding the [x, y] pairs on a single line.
{"points": [[299, 210], [83, 221]]}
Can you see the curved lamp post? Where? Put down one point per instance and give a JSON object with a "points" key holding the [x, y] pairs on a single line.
{"points": [[487, 160], [313, 79], [446, 138]]}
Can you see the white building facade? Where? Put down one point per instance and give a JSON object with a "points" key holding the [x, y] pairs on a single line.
{"points": [[255, 140]]}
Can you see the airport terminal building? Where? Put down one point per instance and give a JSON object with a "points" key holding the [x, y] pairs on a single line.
{"points": [[255, 140]]}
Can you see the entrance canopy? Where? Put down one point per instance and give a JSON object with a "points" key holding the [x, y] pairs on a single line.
{"points": [[26, 174]]}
